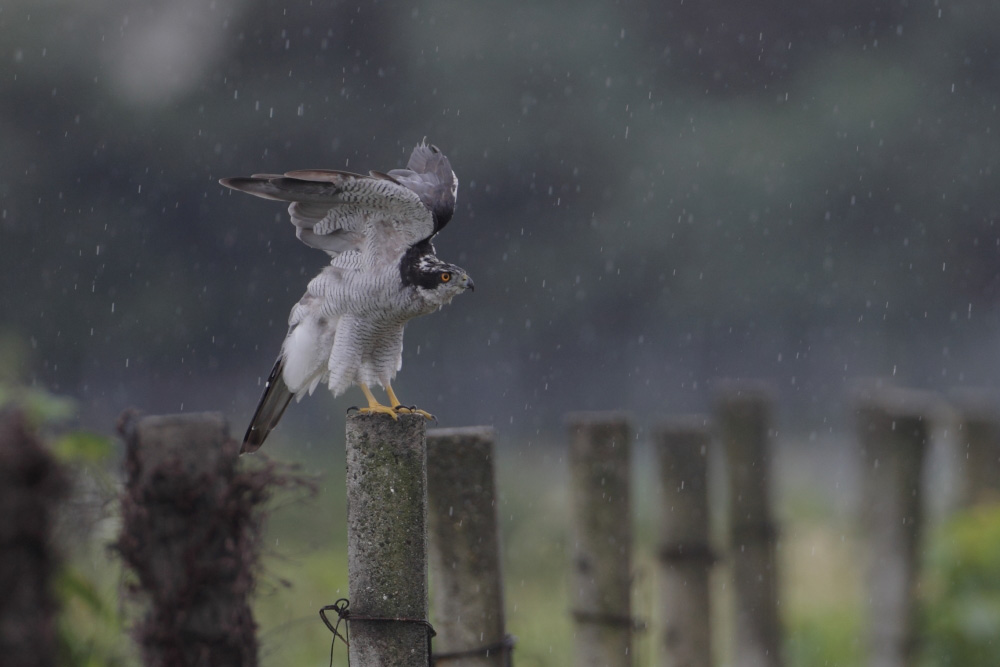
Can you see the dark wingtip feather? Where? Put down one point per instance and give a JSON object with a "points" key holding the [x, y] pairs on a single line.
{"points": [[235, 183], [258, 185], [269, 410], [435, 183], [251, 441]]}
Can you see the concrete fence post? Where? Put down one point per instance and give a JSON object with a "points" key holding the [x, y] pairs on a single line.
{"points": [[894, 431], [601, 538], [744, 422], [387, 541], [686, 555], [464, 540]]}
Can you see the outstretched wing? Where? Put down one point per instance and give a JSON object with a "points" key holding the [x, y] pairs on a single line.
{"points": [[336, 211]]}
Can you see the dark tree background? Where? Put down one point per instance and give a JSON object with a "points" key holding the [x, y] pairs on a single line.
{"points": [[653, 195]]}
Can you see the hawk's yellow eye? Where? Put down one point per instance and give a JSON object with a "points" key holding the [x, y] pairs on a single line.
{"points": [[445, 277]]}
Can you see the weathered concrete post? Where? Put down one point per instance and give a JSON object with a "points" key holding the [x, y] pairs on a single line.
{"points": [[31, 486], [601, 538], [387, 541], [189, 535], [894, 430], [465, 549], [977, 438], [686, 555], [744, 419]]}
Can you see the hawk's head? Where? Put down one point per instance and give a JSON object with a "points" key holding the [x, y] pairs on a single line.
{"points": [[435, 281]]}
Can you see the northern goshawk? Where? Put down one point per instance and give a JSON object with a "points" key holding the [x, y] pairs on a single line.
{"points": [[348, 328]]}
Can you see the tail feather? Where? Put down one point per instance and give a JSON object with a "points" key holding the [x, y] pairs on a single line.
{"points": [[269, 410]]}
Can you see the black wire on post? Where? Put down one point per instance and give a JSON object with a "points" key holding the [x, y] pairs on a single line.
{"points": [[342, 607]]}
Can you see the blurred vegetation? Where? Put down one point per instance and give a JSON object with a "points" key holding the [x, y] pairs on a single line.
{"points": [[824, 618], [962, 612]]}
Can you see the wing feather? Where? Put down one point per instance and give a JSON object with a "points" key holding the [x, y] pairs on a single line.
{"points": [[336, 211], [429, 174], [272, 405]]}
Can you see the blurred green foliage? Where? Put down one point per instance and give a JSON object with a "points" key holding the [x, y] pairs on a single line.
{"points": [[823, 637], [92, 629], [43, 408], [961, 615], [83, 446]]}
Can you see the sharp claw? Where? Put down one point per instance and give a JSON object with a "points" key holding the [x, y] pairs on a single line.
{"points": [[379, 410], [414, 410], [353, 407]]}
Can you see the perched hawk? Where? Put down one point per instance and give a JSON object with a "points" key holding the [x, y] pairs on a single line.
{"points": [[348, 328]]}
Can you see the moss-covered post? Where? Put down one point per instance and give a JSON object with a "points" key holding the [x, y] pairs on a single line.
{"points": [[744, 422], [32, 484], [387, 540], [894, 430], [977, 440], [467, 585], [601, 538], [189, 536], [686, 555]]}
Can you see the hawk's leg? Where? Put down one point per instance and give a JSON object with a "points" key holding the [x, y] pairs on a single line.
{"points": [[399, 407], [374, 406]]}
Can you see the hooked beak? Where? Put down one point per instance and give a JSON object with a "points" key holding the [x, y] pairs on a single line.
{"points": [[468, 283]]}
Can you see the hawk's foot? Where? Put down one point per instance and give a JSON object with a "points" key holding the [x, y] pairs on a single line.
{"points": [[378, 409], [374, 407], [412, 410]]}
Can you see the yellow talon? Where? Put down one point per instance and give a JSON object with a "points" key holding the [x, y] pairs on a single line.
{"points": [[416, 411], [399, 407], [374, 407]]}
